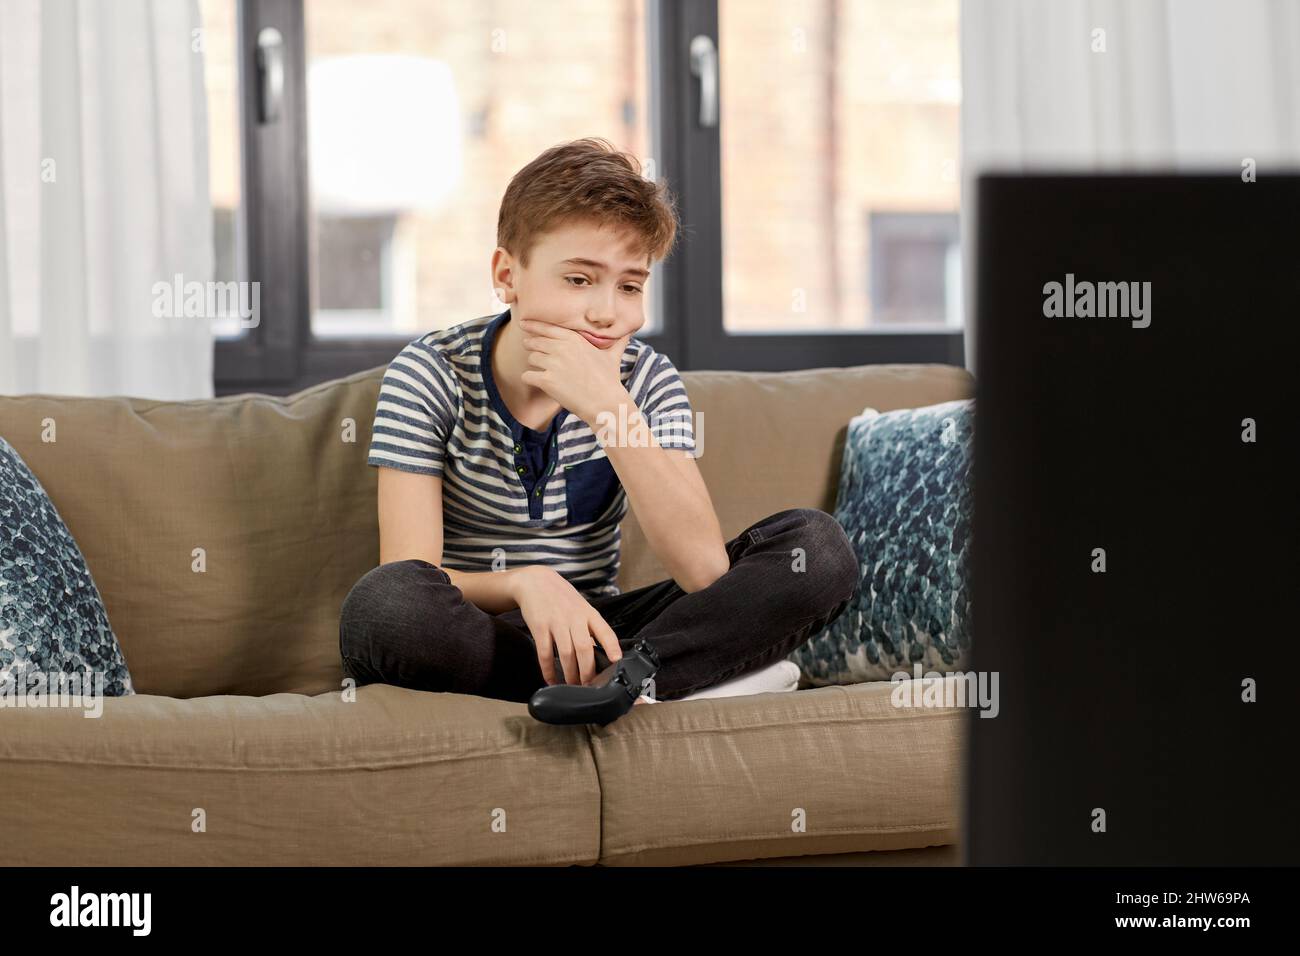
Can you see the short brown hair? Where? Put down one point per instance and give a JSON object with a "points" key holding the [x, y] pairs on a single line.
{"points": [[585, 179]]}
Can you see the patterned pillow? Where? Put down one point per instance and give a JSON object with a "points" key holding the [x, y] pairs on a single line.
{"points": [[52, 619], [905, 502]]}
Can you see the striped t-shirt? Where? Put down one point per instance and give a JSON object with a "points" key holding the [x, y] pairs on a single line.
{"points": [[440, 413]]}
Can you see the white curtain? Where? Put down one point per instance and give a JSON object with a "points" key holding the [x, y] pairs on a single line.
{"points": [[103, 195], [1179, 85]]}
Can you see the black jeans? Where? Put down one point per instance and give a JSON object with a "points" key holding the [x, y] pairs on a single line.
{"points": [[791, 573]]}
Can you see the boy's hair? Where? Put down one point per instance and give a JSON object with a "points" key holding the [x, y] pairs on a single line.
{"points": [[585, 179]]}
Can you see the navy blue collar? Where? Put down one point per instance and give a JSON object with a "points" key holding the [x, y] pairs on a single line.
{"points": [[518, 429]]}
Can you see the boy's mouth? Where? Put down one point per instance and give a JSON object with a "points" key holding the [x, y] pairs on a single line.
{"points": [[600, 341]]}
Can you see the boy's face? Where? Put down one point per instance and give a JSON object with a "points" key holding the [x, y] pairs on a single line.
{"points": [[603, 302]]}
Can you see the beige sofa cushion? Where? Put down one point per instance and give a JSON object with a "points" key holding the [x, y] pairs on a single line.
{"points": [[283, 505], [397, 777], [695, 781]]}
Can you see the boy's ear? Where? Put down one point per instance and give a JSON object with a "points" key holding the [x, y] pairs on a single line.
{"points": [[501, 282]]}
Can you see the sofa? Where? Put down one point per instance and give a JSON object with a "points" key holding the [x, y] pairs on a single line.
{"points": [[223, 535]]}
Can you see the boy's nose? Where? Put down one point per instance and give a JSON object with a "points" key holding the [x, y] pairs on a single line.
{"points": [[602, 313]]}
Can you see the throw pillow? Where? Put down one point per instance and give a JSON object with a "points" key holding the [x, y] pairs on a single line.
{"points": [[905, 502], [52, 619]]}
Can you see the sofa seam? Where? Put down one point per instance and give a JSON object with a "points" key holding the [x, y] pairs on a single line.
{"points": [[953, 371], [817, 721], [766, 835], [590, 740], [600, 793], [148, 405], [243, 769], [538, 861]]}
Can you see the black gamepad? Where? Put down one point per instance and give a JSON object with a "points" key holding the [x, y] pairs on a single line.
{"points": [[609, 696]]}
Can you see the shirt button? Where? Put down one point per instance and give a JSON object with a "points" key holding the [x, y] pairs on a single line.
{"points": [[518, 447], [520, 469]]}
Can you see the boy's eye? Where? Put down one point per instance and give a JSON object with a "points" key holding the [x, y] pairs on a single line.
{"points": [[635, 290]]}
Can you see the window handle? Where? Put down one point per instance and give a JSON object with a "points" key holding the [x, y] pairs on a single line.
{"points": [[704, 64], [270, 74]]}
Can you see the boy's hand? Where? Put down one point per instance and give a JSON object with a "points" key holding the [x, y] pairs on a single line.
{"points": [[581, 377], [561, 621]]}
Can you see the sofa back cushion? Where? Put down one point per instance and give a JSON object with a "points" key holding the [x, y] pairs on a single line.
{"points": [[774, 440], [224, 534]]}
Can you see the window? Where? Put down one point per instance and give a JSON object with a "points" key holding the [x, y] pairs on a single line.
{"points": [[419, 113], [829, 111], [812, 148]]}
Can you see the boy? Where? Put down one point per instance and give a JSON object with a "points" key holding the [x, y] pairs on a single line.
{"points": [[504, 474]]}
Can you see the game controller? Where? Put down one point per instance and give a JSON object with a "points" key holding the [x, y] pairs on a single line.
{"points": [[609, 696]]}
